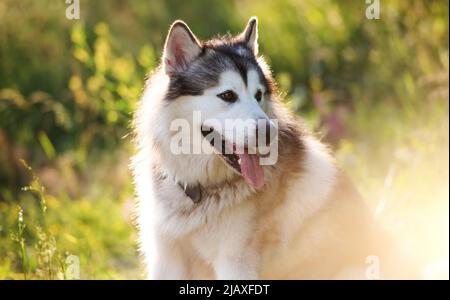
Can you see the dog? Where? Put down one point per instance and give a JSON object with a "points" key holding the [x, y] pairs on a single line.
{"points": [[224, 215]]}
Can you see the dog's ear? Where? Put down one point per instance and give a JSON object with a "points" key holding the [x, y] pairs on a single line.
{"points": [[180, 49], [250, 35]]}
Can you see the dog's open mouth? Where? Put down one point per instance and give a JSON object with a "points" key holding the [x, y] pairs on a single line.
{"points": [[240, 160]]}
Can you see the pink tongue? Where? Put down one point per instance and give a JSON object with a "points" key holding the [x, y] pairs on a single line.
{"points": [[251, 170]]}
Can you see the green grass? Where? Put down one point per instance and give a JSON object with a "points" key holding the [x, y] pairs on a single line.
{"points": [[39, 231]]}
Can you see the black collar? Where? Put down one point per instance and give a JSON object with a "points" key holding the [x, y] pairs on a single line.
{"points": [[196, 191]]}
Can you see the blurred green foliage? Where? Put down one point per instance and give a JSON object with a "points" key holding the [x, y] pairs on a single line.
{"points": [[377, 90]]}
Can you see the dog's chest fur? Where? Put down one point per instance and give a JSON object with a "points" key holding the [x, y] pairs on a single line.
{"points": [[234, 217]]}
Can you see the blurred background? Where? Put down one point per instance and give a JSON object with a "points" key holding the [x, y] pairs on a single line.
{"points": [[375, 90]]}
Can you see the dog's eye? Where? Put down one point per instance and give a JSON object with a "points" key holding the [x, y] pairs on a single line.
{"points": [[258, 95], [228, 96]]}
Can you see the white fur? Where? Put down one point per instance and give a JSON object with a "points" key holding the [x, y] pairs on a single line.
{"points": [[246, 108]]}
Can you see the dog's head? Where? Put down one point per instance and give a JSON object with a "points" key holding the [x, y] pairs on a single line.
{"points": [[229, 87]]}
